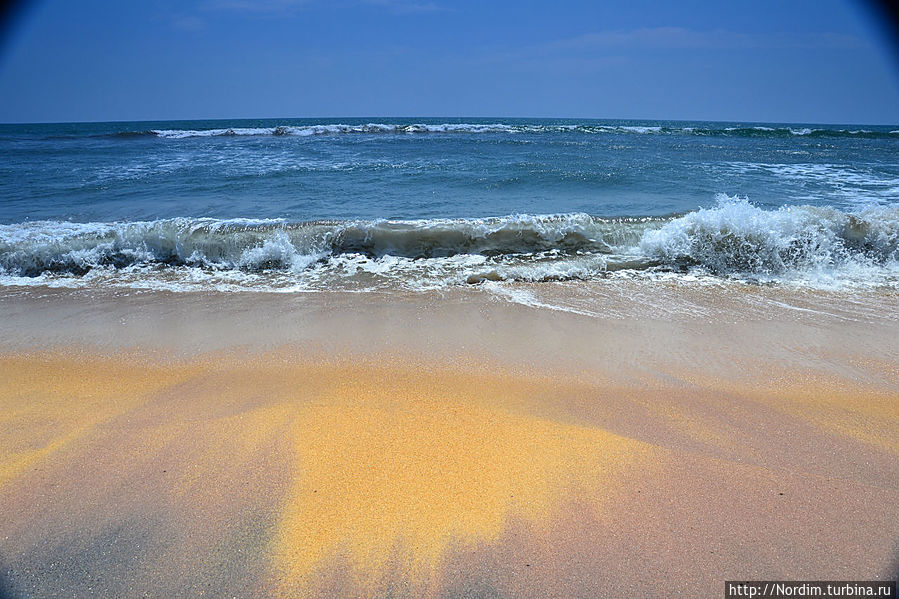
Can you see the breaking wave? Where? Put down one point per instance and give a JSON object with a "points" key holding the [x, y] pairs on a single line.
{"points": [[734, 239], [484, 128]]}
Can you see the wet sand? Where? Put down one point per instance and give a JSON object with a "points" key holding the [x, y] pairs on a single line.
{"points": [[365, 445]]}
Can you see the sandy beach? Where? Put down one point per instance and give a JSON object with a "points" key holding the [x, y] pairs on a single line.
{"points": [[455, 445], [420, 299]]}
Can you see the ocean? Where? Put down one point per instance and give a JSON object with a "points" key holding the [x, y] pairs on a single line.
{"points": [[378, 204]]}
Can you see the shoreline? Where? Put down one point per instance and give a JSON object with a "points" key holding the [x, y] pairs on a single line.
{"points": [[444, 445]]}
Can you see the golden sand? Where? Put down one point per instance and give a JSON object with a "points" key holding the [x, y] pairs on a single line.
{"points": [[385, 457], [430, 461], [294, 472], [863, 412], [49, 401]]}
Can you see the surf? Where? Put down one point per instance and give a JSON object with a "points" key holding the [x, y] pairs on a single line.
{"points": [[732, 240]]}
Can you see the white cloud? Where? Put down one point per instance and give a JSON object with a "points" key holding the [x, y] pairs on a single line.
{"points": [[188, 23], [404, 6]]}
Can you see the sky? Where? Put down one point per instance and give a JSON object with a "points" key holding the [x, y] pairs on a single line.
{"points": [[798, 61]]}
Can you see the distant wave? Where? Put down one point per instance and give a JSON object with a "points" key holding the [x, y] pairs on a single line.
{"points": [[732, 240], [369, 128], [481, 128]]}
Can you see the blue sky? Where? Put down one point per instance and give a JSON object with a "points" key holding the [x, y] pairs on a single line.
{"points": [[786, 61]]}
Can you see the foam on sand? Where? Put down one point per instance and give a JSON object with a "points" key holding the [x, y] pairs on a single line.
{"points": [[380, 451]]}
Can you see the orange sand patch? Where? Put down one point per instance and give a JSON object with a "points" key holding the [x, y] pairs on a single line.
{"points": [[389, 461], [388, 454], [47, 402], [343, 476], [865, 413]]}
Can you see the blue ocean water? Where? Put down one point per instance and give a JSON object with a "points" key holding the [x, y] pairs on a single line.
{"points": [[422, 203]]}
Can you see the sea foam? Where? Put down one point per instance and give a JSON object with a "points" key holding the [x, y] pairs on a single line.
{"points": [[307, 130], [734, 239]]}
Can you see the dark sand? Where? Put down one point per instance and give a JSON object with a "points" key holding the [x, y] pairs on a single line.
{"points": [[362, 445]]}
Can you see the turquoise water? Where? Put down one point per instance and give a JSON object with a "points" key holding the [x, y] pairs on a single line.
{"points": [[422, 203]]}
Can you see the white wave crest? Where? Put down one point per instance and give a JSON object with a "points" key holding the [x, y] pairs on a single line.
{"points": [[733, 239], [736, 237]]}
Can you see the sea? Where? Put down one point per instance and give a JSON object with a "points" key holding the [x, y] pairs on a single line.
{"points": [[422, 204]]}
